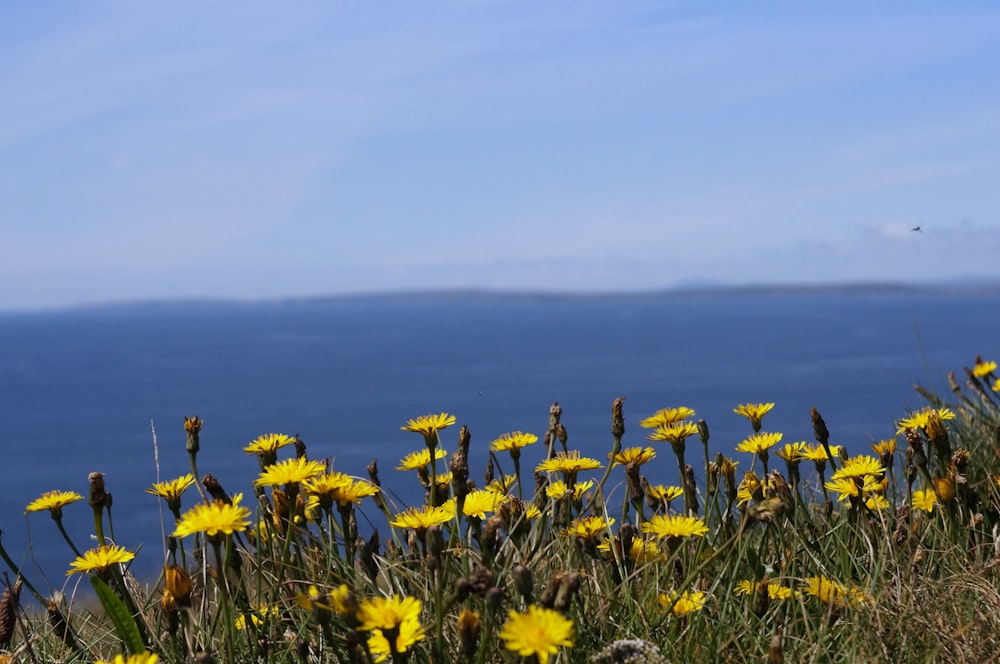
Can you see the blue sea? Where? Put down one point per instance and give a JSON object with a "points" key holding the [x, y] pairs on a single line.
{"points": [[83, 390]]}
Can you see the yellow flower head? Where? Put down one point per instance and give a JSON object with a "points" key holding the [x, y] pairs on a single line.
{"points": [[420, 459], [502, 485], [513, 441], [410, 631], [666, 416], [750, 488], [754, 412], [774, 589], [793, 452], [214, 519], [759, 442], [387, 612], [171, 490], [983, 369], [635, 456], [290, 471], [673, 525], [885, 448], [558, 489], [818, 452], [424, 517], [832, 592], [428, 426], [589, 527], [683, 604], [641, 551], [538, 631], [674, 433], [919, 419], [568, 463], [269, 443], [848, 486], [479, 502], [53, 501], [924, 500], [339, 488], [859, 466], [100, 559], [664, 493], [145, 657]]}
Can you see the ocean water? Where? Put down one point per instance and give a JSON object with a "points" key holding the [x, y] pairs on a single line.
{"points": [[82, 390]]}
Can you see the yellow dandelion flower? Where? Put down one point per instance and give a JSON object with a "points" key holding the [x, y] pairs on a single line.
{"points": [[171, 490], [666, 416], [531, 511], [290, 471], [343, 600], [513, 441], [387, 612], [750, 488], [479, 502], [924, 500], [996, 385], [754, 412], [424, 517], [919, 419], [144, 657], [674, 433], [100, 559], [818, 452], [832, 592], [859, 466], [409, 632], [427, 425], [53, 501], [877, 502], [559, 489], [884, 448], [641, 551], [775, 590], [256, 617], [683, 604], [214, 519], [673, 525], [538, 631], [945, 489], [664, 493], [635, 456], [793, 452], [502, 485], [420, 459], [759, 442], [983, 369], [269, 443], [568, 463], [588, 527]]}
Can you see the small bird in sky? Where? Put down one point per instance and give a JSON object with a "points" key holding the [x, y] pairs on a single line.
{"points": [[917, 229]]}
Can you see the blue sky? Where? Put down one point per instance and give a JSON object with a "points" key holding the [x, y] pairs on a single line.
{"points": [[154, 150]]}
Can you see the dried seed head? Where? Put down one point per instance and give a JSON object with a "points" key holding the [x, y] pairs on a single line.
{"points": [[192, 427], [464, 439], [98, 496], [9, 606], [617, 418], [819, 427], [215, 489]]}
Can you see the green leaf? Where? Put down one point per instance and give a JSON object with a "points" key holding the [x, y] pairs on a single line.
{"points": [[120, 616]]}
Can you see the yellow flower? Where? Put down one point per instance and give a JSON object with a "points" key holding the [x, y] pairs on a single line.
{"points": [[759, 442], [749, 488], [877, 501], [269, 443], [945, 489], [754, 412], [538, 631], [774, 589], [171, 490], [793, 451], [983, 369], [588, 527], [513, 441], [558, 489], [664, 493], [290, 471], [100, 559], [919, 419], [219, 517], [387, 612], [340, 488], [641, 551], [859, 466], [256, 617], [420, 459], [428, 425], [410, 631], [479, 502], [674, 526], [832, 592], [924, 500], [884, 448], [424, 517], [343, 600], [996, 385], [683, 604], [674, 433], [635, 456], [53, 501], [568, 463], [666, 416], [145, 657], [818, 452]]}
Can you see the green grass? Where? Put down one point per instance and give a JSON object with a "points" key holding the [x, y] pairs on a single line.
{"points": [[868, 578]]}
